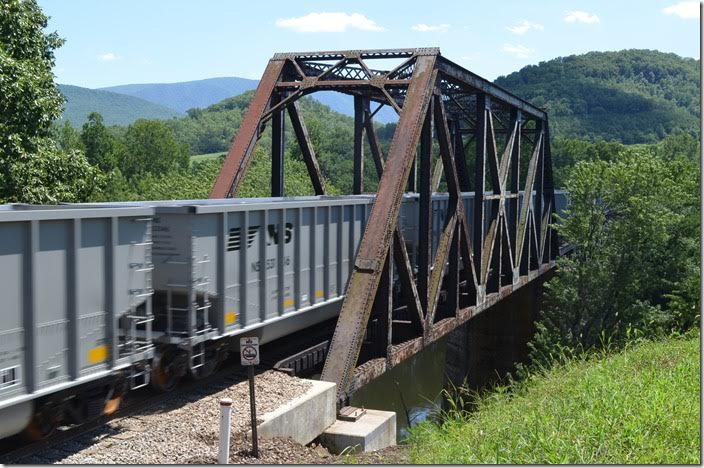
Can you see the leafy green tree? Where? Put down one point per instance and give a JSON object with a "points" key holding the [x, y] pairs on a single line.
{"points": [[32, 167], [151, 147], [634, 223], [67, 137], [100, 145]]}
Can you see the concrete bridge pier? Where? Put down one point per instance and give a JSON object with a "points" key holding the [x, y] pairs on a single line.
{"points": [[488, 346]]}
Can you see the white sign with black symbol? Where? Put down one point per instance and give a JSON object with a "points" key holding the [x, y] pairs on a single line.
{"points": [[249, 350]]}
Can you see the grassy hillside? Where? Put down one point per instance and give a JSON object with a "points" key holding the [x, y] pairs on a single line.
{"points": [[116, 109], [634, 96], [188, 94], [639, 406]]}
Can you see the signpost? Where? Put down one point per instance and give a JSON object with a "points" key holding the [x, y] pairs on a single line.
{"points": [[249, 356]]}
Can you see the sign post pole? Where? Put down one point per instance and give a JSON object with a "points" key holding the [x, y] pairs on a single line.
{"points": [[249, 356], [253, 407]]}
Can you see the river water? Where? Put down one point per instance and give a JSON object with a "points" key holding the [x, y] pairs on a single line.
{"points": [[412, 389]]}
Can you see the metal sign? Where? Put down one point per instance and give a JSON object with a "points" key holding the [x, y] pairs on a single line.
{"points": [[249, 351]]}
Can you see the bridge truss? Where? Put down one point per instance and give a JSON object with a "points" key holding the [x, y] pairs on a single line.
{"points": [[454, 129]]}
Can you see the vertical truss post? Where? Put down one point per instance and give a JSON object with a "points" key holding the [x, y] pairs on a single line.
{"points": [[413, 177], [460, 158], [425, 208], [554, 244], [277, 149], [358, 176], [513, 188], [479, 184], [538, 211]]}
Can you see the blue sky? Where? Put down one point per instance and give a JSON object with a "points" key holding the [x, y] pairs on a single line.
{"points": [[152, 41]]}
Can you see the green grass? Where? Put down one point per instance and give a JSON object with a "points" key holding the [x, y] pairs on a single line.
{"points": [[641, 405], [206, 156]]}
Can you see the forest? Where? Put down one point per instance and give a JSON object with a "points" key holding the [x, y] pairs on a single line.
{"points": [[633, 96]]}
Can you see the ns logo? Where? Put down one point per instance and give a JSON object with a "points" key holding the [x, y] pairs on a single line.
{"points": [[234, 240]]}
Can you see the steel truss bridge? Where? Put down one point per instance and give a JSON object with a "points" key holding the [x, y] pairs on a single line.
{"points": [[489, 141]]}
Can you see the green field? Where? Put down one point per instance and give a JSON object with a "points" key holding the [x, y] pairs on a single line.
{"points": [[641, 406], [206, 156]]}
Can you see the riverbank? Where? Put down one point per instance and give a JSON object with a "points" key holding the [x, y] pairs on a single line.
{"points": [[641, 405]]}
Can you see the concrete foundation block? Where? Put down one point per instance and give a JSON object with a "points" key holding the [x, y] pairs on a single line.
{"points": [[303, 418], [373, 431]]}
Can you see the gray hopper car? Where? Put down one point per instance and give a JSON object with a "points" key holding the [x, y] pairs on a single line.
{"points": [[76, 292], [225, 267]]}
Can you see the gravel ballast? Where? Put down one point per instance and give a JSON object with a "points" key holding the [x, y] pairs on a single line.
{"points": [[184, 429]]}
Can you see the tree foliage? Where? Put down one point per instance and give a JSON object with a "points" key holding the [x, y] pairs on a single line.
{"points": [[32, 166], [100, 146], [150, 147], [633, 96], [634, 223]]}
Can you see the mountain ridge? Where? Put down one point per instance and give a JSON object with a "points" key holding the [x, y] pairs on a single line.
{"points": [[116, 109]]}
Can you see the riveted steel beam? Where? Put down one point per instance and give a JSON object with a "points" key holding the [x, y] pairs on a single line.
{"points": [[346, 341]]}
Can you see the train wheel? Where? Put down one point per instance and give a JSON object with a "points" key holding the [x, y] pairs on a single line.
{"points": [[43, 423], [168, 370]]}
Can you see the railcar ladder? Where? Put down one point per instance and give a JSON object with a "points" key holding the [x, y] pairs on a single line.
{"points": [[134, 344], [200, 283]]}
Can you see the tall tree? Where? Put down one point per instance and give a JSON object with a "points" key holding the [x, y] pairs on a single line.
{"points": [[98, 142], [634, 223], [32, 167], [151, 147]]}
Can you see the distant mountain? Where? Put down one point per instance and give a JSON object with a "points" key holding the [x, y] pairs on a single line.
{"points": [[634, 96], [116, 109], [203, 93], [188, 94]]}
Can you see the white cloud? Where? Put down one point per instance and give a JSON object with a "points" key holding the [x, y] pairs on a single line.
{"points": [[108, 57], [519, 51], [328, 22], [422, 27], [579, 16], [524, 26], [685, 10]]}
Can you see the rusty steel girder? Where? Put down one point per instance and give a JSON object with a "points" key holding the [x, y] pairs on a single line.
{"points": [[489, 142]]}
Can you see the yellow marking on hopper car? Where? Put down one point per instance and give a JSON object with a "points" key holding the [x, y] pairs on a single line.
{"points": [[97, 354], [319, 293], [288, 302], [230, 318]]}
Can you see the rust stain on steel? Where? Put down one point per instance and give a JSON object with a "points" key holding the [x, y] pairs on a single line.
{"points": [[364, 280], [239, 157]]}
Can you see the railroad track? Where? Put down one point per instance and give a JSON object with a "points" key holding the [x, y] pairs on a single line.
{"points": [[12, 450]]}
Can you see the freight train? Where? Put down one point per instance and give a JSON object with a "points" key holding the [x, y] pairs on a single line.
{"points": [[100, 299]]}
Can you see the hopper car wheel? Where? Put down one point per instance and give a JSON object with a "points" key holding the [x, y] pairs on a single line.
{"points": [[168, 370], [43, 423]]}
